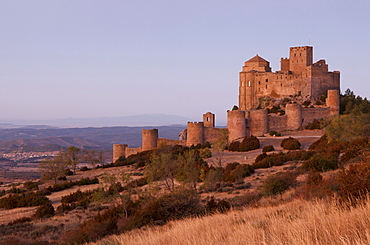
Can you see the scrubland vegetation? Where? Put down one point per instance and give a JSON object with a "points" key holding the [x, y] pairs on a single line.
{"points": [[173, 195], [298, 222]]}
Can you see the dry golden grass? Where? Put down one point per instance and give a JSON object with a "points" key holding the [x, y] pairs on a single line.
{"points": [[297, 222]]}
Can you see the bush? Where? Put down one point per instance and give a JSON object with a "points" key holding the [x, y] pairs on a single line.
{"points": [[320, 144], [260, 157], [87, 181], [23, 200], [321, 163], [290, 144], [236, 171], [249, 143], [234, 146], [96, 228], [313, 125], [20, 221], [268, 148], [30, 185], [180, 204], [213, 206], [46, 210], [314, 178], [68, 172], [84, 168], [274, 133], [278, 183], [354, 149], [354, 181], [62, 178]]}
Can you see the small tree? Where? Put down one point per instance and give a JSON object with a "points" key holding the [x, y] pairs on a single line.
{"points": [[162, 167], [52, 168], [188, 172], [349, 127], [72, 157], [90, 156], [220, 146]]}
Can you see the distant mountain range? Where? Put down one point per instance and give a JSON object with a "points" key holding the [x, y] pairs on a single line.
{"points": [[90, 133], [44, 137], [47, 144], [136, 120]]}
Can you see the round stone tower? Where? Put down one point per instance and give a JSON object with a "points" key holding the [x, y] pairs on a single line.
{"points": [[294, 116], [236, 124], [149, 139], [195, 133], [259, 122], [119, 150], [333, 101]]}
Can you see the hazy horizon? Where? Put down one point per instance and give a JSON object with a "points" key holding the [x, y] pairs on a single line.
{"points": [[93, 59]]}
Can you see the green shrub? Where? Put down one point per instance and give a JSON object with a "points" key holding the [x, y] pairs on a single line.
{"points": [[46, 210], [234, 146], [278, 183], [322, 163], [249, 143], [260, 157], [214, 206], [29, 199], [87, 181], [30, 185], [84, 168], [354, 149], [268, 148], [290, 144], [354, 181], [274, 133], [320, 144], [236, 171], [313, 125], [68, 172], [20, 221], [314, 178]]}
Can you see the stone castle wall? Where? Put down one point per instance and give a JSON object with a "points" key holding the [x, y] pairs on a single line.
{"points": [[211, 134], [310, 114], [132, 151], [277, 123], [164, 142], [259, 122]]}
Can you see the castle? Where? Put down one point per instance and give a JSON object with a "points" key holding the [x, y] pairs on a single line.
{"points": [[289, 99]]}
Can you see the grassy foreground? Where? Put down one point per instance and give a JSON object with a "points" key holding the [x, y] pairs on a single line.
{"points": [[297, 222]]}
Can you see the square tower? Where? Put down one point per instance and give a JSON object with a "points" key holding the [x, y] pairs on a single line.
{"points": [[300, 58], [209, 120]]}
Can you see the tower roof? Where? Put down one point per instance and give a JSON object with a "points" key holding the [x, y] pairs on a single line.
{"points": [[257, 58]]}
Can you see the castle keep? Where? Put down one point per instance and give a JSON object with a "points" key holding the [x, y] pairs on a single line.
{"points": [[298, 75], [289, 99]]}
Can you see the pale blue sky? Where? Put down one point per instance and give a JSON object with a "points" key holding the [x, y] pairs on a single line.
{"points": [[111, 58]]}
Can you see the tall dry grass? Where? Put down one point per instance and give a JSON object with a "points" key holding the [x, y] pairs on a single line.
{"points": [[297, 222]]}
